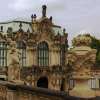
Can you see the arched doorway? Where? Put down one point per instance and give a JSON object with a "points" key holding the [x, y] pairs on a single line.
{"points": [[42, 82]]}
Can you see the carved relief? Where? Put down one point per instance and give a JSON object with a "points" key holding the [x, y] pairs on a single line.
{"points": [[78, 62], [82, 40], [3, 92], [81, 58]]}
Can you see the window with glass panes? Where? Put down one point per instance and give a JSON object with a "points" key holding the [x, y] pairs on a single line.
{"points": [[3, 54], [22, 48], [43, 54], [92, 83], [62, 55], [71, 83]]}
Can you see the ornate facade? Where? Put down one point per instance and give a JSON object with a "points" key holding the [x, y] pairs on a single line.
{"points": [[36, 58], [39, 57]]}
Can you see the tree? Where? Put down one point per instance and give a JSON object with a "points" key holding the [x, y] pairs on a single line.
{"points": [[96, 45]]}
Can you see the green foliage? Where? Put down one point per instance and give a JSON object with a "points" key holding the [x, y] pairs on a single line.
{"points": [[96, 45], [98, 58]]}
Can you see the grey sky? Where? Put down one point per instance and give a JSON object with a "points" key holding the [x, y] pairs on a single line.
{"points": [[75, 15]]}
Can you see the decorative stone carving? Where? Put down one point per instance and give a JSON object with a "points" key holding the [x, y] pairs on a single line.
{"points": [[82, 40], [78, 62], [3, 92], [81, 59]]}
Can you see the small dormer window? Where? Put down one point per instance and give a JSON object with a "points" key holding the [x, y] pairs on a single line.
{"points": [[1, 28], [9, 30]]}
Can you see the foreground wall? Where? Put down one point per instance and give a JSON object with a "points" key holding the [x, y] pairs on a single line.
{"points": [[10, 91]]}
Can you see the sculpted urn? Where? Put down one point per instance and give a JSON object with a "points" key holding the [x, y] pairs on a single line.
{"points": [[81, 59]]}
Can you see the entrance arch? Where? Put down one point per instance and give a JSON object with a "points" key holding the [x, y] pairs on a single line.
{"points": [[42, 82]]}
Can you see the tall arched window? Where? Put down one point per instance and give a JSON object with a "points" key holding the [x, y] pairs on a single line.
{"points": [[22, 48], [3, 54], [43, 54]]}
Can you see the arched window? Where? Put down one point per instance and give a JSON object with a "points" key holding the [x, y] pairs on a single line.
{"points": [[3, 54], [22, 48], [43, 54]]}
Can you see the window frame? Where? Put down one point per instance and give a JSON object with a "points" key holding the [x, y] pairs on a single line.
{"points": [[22, 48], [43, 54], [3, 54], [92, 83], [62, 55]]}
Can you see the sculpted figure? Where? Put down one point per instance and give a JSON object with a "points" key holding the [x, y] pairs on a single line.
{"points": [[14, 66]]}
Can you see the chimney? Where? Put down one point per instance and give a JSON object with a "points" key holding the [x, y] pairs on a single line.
{"points": [[44, 7]]}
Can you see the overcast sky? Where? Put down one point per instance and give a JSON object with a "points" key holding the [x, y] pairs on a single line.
{"points": [[75, 15]]}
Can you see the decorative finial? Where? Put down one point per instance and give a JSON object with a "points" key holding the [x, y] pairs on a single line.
{"points": [[34, 16], [51, 18], [20, 25], [64, 30], [44, 10]]}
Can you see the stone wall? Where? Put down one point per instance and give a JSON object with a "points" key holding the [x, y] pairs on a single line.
{"points": [[12, 91]]}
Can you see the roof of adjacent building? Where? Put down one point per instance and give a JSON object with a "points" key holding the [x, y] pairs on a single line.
{"points": [[26, 25], [20, 19]]}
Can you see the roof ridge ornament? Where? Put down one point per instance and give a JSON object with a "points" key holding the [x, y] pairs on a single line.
{"points": [[33, 17], [20, 27]]}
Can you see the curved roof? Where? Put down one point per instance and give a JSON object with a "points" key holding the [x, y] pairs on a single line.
{"points": [[24, 20]]}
